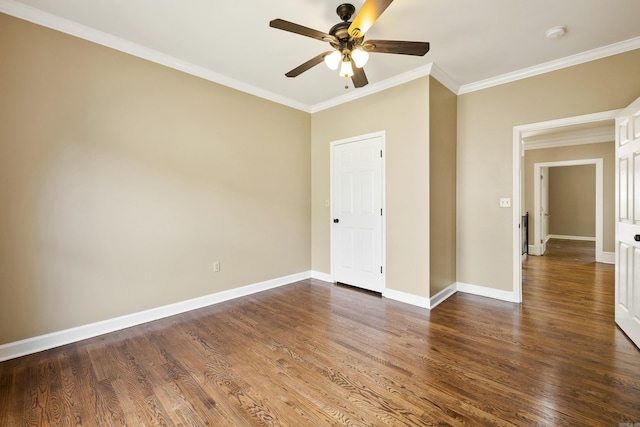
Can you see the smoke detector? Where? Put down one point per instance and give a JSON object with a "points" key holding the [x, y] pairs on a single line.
{"points": [[556, 32]]}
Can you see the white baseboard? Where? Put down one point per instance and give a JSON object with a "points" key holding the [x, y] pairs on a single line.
{"points": [[534, 250], [67, 336], [418, 300], [406, 298], [564, 237], [321, 276], [443, 295], [486, 292], [608, 258]]}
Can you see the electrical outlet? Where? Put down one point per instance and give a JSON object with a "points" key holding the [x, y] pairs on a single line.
{"points": [[216, 266], [505, 202]]}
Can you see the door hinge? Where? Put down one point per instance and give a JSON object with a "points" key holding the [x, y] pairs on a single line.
{"points": [[380, 211], [380, 153], [380, 269]]}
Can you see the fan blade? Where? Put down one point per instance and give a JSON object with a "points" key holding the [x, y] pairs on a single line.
{"points": [[395, 46], [281, 24], [359, 78], [368, 15], [307, 65]]}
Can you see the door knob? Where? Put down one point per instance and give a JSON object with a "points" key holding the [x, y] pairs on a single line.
{"points": [[636, 237], [336, 220]]}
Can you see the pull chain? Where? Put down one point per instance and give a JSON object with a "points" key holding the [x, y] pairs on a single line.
{"points": [[346, 82]]}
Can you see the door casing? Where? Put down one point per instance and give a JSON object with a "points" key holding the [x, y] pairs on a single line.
{"points": [[518, 132]]}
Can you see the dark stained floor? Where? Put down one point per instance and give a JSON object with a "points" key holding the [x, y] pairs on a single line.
{"points": [[319, 354]]}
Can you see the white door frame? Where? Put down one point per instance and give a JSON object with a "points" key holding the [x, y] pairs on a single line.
{"points": [[518, 150], [599, 207], [540, 238], [382, 135]]}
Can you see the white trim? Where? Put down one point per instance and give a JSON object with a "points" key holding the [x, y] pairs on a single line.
{"points": [[516, 218], [430, 69], [569, 61], [433, 302], [487, 292], [322, 276], [67, 336], [382, 135], [608, 258], [438, 74], [518, 132], [443, 295], [578, 238], [66, 26], [406, 298], [37, 16], [372, 88]]}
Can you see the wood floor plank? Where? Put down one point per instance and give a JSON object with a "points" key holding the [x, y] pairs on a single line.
{"points": [[319, 354]]}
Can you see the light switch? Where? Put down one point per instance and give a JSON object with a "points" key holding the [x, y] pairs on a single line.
{"points": [[505, 202]]}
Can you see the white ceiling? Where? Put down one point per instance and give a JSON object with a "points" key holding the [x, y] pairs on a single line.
{"points": [[474, 43]]}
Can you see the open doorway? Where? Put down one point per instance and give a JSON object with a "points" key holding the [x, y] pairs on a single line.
{"points": [[562, 133], [568, 198]]}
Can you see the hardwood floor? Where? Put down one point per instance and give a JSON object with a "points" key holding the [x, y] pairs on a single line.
{"points": [[317, 354]]}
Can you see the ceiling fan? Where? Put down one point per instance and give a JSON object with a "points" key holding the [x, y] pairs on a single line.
{"points": [[351, 51]]}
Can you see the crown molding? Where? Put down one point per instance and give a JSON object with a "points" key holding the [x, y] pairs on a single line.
{"points": [[372, 88], [444, 79], [39, 17], [569, 61], [430, 69]]}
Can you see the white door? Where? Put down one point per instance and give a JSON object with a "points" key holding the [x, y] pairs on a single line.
{"points": [[357, 240], [627, 293], [544, 208]]}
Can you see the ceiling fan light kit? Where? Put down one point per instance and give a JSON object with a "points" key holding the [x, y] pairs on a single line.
{"points": [[359, 56], [351, 52], [333, 59], [346, 69]]}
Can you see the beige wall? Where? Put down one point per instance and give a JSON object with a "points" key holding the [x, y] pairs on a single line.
{"points": [[442, 188], [121, 181], [572, 200], [403, 113], [604, 151], [485, 145]]}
